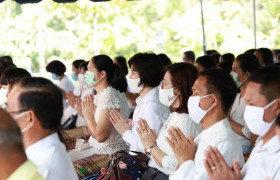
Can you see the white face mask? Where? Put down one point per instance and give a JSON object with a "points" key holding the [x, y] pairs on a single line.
{"points": [[195, 111], [167, 96], [3, 96], [133, 85], [234, 75], [19, 116], [253, 116]]}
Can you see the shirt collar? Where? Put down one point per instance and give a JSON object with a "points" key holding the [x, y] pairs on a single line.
{"points": [[44, 143], [273, 145], [152, 94], [212, 130]]}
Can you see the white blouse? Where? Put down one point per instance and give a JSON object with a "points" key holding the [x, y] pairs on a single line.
{"points": [[187, 126], [149, 108], [109, 98]]}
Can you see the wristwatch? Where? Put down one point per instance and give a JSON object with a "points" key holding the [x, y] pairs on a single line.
{"points": [[149, 149]]}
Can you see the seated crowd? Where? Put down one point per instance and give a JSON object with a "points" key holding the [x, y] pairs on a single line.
{"points": [[212, 117]]}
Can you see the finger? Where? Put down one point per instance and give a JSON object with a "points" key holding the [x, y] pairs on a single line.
{"points": [[118, 115], [141, 126], [173, 137], [114, 116], [220, 158], [139, 132], [208, 167], [191, 140], [236, 168], [176, 134], [171, 144], [112, 121], [214, 158], [208, 158], [180, 133], [146, 124]]}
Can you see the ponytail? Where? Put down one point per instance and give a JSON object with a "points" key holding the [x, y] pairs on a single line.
{"points": [[118, 80]]}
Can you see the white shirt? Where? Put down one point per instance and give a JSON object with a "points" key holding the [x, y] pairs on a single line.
{"points": [[237, 114], [187, 126], [264, 161], [149, 108], [51, 158], [66, 84], [219, 135]]}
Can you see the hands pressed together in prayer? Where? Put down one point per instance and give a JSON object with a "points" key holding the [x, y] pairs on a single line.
{"points": [[217, 167], [120, 124], [183, 147], [147, 135], [88, 108]]}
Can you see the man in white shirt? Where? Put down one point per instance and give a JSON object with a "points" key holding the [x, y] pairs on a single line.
{"points": [[36, 105], [208, 106], [263, 107]]}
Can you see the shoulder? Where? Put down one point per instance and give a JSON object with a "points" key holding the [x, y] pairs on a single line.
{"points": [[109, 98]]}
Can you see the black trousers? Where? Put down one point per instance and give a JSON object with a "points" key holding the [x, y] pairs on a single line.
{"points": [[154, 174]]}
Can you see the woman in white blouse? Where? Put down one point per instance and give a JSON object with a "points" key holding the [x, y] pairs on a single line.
{"points": [[146, 74], [243, 66], [175, 90], [108, 83]]}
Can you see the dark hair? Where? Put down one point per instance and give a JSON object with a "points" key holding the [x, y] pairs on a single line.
{"points": [[7, 59], [228, 57], [45, 99], [278, 121], [269, 79], [206, 62], [214, 54], [220, 82], [77, 63], [183, 76], [121, 62], [5, 65], [165, 60], [250, 51], [248, 62], [149, 67], [84, 65], [115, 76], [13, 75], [190, 55], [56, 67], [266, 56], [227, 66]]}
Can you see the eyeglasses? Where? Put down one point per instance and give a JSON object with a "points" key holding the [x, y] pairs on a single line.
{"points": [[18, 111]]}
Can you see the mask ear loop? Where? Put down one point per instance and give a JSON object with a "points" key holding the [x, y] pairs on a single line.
{"points": [[272, 102], [205, 97]]}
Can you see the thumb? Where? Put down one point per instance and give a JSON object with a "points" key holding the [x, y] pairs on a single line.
{"points": [[236, 168]]}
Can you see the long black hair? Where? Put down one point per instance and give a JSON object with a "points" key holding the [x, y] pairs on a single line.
{"points": [[115, 77]]}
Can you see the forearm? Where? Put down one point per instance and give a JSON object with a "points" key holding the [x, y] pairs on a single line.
{"points": [[237, 128], [158, 155]]}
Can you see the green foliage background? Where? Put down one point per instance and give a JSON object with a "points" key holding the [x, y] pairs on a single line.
{"points": [[34, 34]]}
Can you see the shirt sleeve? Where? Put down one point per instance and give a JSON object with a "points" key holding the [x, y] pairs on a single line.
{"points": [[185, 171]]}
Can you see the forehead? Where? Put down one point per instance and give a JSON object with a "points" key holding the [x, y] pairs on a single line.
{"points": [[14, 95], [253, 93], [200, 83]]}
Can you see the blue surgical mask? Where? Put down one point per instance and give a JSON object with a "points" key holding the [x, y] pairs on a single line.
{"points": [[74, 77], [55, 77]]}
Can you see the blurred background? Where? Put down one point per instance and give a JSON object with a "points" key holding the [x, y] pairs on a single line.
{"points": [[35, 34]]}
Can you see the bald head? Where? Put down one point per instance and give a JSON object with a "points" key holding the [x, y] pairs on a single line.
{"points": [[10, 135]]}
